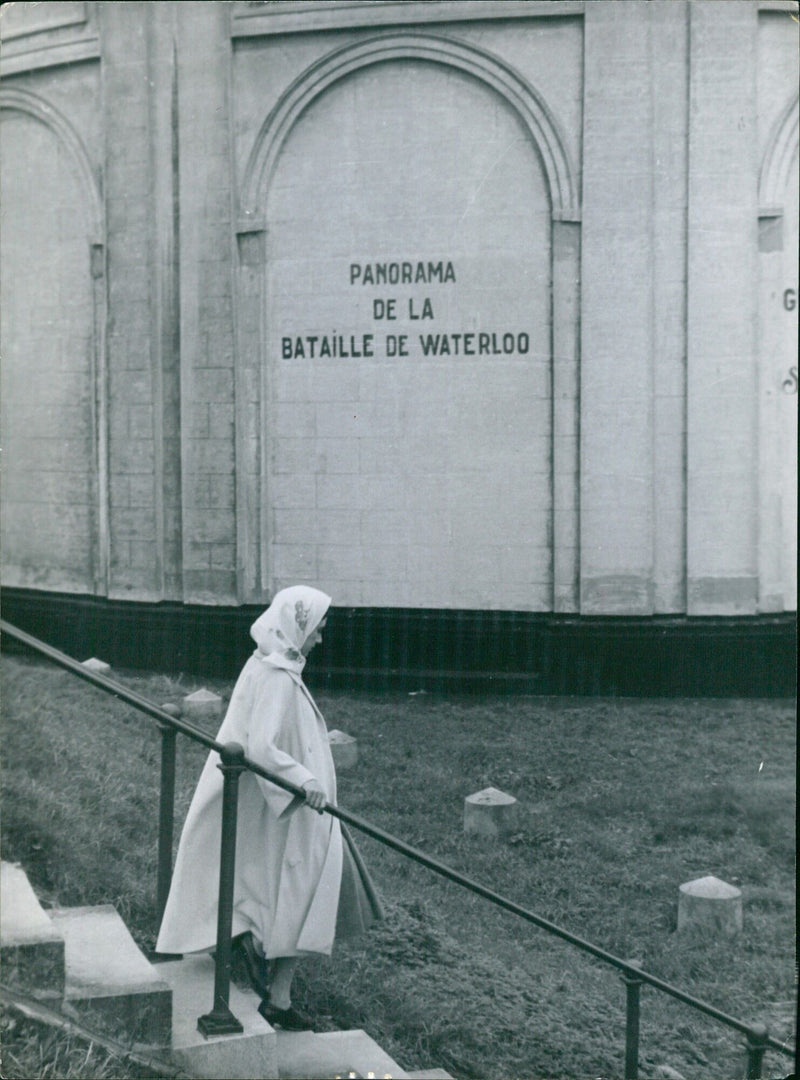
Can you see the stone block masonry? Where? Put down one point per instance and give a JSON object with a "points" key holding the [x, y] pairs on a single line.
{"points": [[131, 390], [616, 353], [412, 450], [49, 520], [206, 320], [722, 500], [486, 315]]}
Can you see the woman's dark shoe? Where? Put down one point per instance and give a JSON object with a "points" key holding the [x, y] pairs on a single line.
{"points": [[290, 1019], [254, 965]]}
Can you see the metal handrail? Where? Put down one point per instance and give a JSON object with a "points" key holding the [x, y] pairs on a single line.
{"points": [[234, 762]]}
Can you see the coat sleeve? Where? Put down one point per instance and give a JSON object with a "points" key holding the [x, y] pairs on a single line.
{"points": [[270, 739]]}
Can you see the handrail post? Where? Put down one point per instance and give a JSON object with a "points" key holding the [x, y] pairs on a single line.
{"points": [[166, 813], [633, 986], [756, 1048], [234, 763], [221, 1021]]}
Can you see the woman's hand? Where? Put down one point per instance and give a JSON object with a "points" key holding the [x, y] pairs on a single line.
{"points": [[315, 796]]}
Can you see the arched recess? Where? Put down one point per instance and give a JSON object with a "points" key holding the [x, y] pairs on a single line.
{"points": [[544, 136], [489, 69], [24, 101], [779, 157], [778, 298], [88, 204]]}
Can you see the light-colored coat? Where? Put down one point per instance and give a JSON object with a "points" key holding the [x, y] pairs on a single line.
{"points": [[288, 857]]}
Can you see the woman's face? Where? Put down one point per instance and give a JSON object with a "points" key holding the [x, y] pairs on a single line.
{"points": [[313, 638]]}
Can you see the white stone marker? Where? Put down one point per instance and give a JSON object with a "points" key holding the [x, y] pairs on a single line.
{"points": [[489, 812], [710, 904], [344, 749], [100, 666], [202, 705]]}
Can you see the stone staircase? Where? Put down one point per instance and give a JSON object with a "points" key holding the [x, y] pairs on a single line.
{"points": [[84, 962]]}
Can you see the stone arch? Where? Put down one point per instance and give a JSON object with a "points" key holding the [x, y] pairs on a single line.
{"points": [[18, 100], [482, 65], [561, 190], [779, 157], [777, 348]]}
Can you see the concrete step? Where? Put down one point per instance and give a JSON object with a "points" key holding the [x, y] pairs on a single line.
{"points": [[250, 1055], [88, 956], [31, 947], [309, 1055], [260, 1051], [108, 980]]}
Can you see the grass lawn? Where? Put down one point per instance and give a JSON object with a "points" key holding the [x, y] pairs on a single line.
{"points": [[621, 800], [32, 1048]]}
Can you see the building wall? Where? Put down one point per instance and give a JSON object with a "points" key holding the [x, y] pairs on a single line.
{"points": [[394, 471], [51, 330], [190, 188], [777, 346]]}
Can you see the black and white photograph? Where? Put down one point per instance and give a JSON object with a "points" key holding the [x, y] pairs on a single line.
{"points": [[398, 539]]}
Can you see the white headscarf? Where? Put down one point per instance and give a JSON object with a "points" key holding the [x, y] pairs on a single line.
{"points": [[283, 629]]}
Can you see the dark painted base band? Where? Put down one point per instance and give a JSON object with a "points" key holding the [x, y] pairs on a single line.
{"points": [[461, 651]]}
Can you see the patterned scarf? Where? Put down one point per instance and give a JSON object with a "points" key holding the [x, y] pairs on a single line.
{"points": [[283, 629]]}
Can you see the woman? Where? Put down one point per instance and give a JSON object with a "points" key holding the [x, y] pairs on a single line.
{"points": [[299, 880]]}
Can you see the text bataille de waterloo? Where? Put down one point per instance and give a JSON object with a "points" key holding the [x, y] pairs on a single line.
{"points": [[388, 309]]}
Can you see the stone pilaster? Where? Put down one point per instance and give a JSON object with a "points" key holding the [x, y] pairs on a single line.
{"points": [[617, 313], [135, 558], [206, 306], [722, 458]]}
